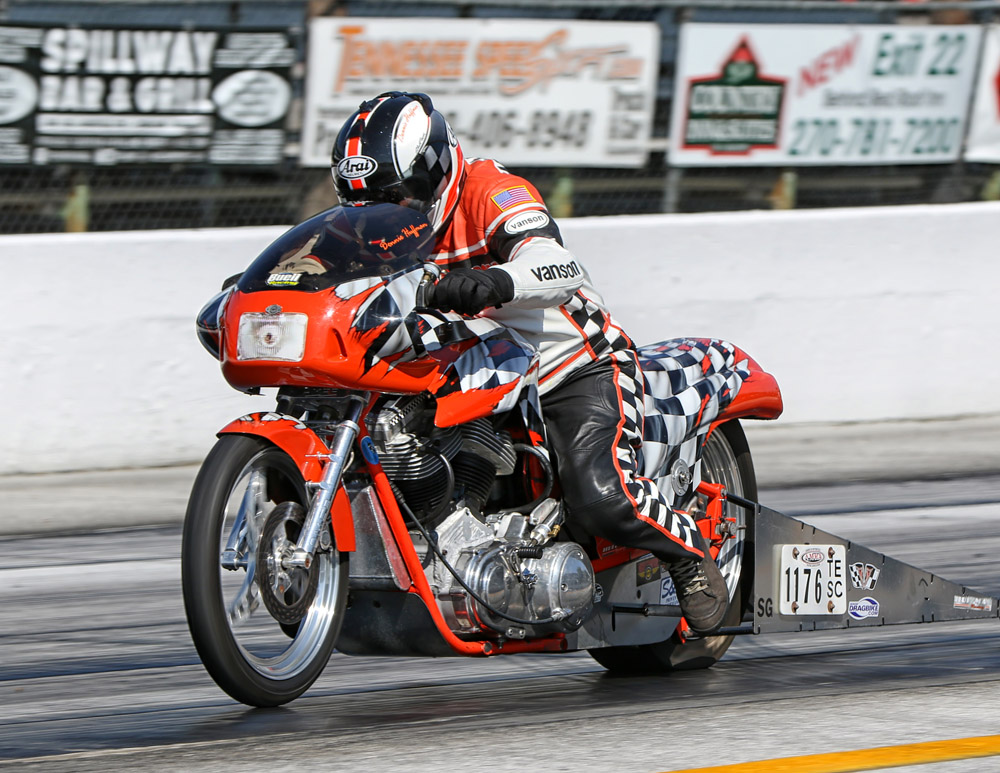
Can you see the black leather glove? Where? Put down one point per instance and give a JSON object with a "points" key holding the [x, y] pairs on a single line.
{"points": [[469, 290]]}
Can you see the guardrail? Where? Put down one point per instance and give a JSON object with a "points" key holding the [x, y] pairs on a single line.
{"points": [[861, 314]]}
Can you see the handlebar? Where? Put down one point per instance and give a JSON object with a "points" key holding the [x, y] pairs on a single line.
{"points": [[432, 272]]}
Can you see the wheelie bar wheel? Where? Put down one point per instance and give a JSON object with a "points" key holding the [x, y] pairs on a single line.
{"points": [[264, 633]]}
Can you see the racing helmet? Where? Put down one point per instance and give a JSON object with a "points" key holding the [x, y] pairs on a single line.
{"points": [[397, 148]]}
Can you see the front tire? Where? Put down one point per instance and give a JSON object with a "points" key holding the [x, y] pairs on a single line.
{"points": [[253, 657], [726, 459]]}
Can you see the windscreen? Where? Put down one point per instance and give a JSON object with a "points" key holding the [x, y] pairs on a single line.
{"points": [[341, 245]]}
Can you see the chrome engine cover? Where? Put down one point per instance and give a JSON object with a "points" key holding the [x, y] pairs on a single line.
{"points": [[559, 583]]}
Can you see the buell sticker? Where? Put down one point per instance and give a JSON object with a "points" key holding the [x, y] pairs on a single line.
{"points": [[737, 110], [867, 607], [283, 279], [974, 603], [864, 576]]}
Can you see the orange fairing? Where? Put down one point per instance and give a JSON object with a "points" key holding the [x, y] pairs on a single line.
{"points": [[369, 341], [335, 352], [305, 448], [759, 396]]}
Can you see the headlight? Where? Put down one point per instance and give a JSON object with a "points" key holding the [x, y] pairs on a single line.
{"points": [[272, 337]]}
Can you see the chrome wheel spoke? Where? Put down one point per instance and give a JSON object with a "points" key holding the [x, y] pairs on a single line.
{"points": [[253, 508], [719, 465], [246, 601]]}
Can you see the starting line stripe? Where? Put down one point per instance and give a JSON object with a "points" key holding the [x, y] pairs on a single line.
{"points": [[869, 759]]}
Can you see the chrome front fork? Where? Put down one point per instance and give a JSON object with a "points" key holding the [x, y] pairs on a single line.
{"points": [[319, 511]]}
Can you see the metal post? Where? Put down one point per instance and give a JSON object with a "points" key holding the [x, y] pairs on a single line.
{"points": [[672, 190]]}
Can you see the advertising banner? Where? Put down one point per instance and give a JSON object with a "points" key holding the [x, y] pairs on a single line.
{"points": [[70, 95], [983, 142], [821, 94], [529, 93]]}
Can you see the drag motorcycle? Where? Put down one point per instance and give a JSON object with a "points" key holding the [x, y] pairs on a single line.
{"points": [[400, 499]]}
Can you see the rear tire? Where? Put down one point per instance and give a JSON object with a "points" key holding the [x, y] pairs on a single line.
{"points": [[250, 655], [726, 459]]}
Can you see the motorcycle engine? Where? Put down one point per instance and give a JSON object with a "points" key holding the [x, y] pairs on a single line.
{"points": [[511, 563], [510, 560], [430, 464]]}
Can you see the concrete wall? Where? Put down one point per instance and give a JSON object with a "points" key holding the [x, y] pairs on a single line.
{"points": [[861, 314]]}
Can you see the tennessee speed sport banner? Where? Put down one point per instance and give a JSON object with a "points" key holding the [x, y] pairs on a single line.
{"points": [[821, 94], [138, 95], [539, 93], [983, 142]]}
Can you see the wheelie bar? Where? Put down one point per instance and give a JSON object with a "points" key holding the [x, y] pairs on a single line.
{"points": [[806, 579]]}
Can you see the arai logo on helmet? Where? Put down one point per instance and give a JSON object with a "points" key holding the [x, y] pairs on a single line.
{"points": [[356, 167]]}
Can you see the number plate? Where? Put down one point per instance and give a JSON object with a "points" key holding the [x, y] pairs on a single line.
{"points": [[812, 580]]}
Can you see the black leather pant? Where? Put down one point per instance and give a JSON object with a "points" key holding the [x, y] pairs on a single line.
{"points": [[594, 425]]}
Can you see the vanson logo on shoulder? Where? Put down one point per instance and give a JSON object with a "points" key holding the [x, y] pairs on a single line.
{"points": [[356, 167], [527, 221]]}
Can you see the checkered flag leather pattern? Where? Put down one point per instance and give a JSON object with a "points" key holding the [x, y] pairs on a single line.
{"points": [[602, 336], [688, 383], [498, 358], [651, 504]]}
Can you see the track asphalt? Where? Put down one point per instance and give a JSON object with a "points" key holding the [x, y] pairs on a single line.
{"points": [[784, 456]]}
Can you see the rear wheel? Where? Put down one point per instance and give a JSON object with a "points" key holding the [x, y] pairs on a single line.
{"points": [[726, 460], [263, 631]]}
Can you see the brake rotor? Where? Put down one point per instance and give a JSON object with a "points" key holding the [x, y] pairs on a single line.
{"points": [[286, 592]]}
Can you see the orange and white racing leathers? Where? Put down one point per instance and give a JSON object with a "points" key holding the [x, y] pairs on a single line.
{"points": [[589, 382]]}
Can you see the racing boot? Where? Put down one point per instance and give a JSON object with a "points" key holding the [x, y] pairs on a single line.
{"points": [[701, 592]]}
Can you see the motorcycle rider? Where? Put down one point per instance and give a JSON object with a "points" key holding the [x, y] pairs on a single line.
{"points": [[504, 258]]}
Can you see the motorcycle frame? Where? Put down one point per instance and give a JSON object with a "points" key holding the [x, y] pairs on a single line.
{"points": [[759, 398], [311, 455]]}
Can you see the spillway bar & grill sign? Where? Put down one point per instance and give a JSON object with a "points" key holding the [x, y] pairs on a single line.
{"points": [[126, 96], [526, 92]]}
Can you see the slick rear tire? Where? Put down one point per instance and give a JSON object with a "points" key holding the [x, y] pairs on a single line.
{"points": [[248, 653], [727, 460]]}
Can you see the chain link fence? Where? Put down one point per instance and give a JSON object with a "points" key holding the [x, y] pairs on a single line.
{"points": [[60, 197]]}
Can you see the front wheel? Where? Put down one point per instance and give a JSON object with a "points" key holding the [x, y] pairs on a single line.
{"points": [[263, 632], [726, 460]]}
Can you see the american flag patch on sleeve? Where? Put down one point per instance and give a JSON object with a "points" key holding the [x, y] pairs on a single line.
{"points": [[512, 197]]}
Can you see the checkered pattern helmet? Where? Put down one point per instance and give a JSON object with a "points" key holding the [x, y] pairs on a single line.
{"points": [[397, 148]]}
